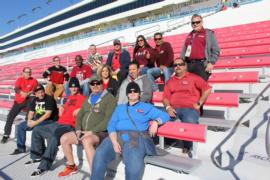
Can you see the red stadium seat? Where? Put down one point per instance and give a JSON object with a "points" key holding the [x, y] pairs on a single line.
{"points": [[234, 77]]}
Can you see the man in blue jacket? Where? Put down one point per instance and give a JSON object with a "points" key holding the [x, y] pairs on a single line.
{"points": [[118, 60]]}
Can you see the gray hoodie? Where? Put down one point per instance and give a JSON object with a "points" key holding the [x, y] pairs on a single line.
{"points": [[145, 86]]}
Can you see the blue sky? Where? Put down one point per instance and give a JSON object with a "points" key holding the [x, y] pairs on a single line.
{"points": [[18, 13]]}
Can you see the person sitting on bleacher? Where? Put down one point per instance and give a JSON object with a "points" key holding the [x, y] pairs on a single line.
{"points": [[82, 72], [42, 110], [118, 60], [24, 87], [108, 83], [144, 54], [91, 123], [56, 75], [141, 80], [54, 131], [164, 60], [129, 136], [183, 95], [94, 58]]}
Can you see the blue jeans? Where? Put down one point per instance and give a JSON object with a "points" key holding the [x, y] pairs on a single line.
{"points": [[155, 72], [144, 70], [133, 158], [21, 133], [84, 88], [188, 115]]}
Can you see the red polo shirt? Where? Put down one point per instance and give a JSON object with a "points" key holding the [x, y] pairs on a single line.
{"points": [[197, 42], [185, 92], [73, 102], [25, 85], [82, 72]]}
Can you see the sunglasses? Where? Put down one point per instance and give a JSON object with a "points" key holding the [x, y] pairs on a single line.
{"points": [[196, 22], [132, 91], [157, 39], [178, 64], [95, 83]]}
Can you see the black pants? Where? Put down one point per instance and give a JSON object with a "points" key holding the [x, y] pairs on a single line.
{"points": [[197, 67], [14, 111]]}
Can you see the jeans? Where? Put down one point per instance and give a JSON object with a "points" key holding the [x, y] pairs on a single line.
{"points": [[187, 115], [21, 133], [144, 70], [133, 158], [155, 72], [197, 67], [52, 132], [84, 88]]}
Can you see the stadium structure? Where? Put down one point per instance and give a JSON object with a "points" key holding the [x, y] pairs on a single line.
{"points": [[236, 139]]}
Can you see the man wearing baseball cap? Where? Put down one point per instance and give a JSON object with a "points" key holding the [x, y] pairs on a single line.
{"points": [[42, 110], [118, 60]]}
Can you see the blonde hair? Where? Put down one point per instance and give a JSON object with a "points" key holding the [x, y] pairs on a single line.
{"points": [[100, 68]]}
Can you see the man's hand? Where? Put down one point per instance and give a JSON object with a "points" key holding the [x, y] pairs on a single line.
{"points": [[31, 123], [153, 129], [162, 67], [147, 55], [23, 94], [75, 112], [171, 111], [209, 67], [196, 106], [117, 147]]}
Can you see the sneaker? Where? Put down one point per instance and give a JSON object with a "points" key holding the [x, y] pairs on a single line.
{"points": [[17, 151], [38, 172], [4, 139], [188, 152], [69, 170], [32, 161]]}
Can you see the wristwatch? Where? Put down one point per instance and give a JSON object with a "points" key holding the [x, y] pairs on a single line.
{"points": [[198, 103]]}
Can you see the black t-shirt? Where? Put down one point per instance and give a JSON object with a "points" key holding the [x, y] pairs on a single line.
{"points": [[40, 106]]}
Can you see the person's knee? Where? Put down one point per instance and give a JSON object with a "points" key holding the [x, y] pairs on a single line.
{"points": [[64, 140]]}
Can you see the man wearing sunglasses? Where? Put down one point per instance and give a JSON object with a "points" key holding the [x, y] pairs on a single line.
{"points": [[24, 87], [164, 61], [200, 49], [183, 96]]}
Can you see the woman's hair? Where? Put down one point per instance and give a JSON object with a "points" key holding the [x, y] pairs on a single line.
{"points": [[99, 71], [137, 46]]}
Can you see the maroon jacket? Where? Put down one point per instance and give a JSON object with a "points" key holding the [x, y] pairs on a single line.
{"points": [[140, 56], [164, 55]]}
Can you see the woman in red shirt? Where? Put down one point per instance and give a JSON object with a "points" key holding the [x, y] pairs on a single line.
{"points": [[143, 53]]}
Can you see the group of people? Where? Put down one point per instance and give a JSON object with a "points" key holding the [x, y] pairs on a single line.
{"points": [[107, 106]]}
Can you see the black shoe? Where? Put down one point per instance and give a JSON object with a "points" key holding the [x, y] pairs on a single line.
{"points": [[32, 161], [17, 151], [4, 139], [187, 151], [38, 172]]}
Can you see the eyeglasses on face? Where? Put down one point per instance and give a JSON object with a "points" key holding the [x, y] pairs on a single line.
{"points": [[157, 39], [95, 83], [178, 64], [132, 91], [27, 72], [195, 22]]}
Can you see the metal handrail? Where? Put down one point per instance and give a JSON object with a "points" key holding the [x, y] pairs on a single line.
{"points": [[267, 137], [137, 33], [218, 148]]}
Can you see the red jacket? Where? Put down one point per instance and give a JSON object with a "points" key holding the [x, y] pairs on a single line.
{"points": [[164, 54]]}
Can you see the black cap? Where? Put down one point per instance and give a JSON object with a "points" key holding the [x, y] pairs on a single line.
{"points": [[74, 82], [132, 86], [116, 42], [39, 87]]}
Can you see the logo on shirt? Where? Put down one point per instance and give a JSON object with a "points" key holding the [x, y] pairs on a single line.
{"points": [[40, 108], [185, 82], [139, 111]]}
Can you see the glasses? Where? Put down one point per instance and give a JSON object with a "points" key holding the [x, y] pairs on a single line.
{"points": [[157, 39], [95, 83], [132, 91], [27, 72], [178, 64], [195, 22]]}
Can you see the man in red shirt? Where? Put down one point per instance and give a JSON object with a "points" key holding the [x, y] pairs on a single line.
{"points": [[54, 131], [118, 60], [164, 60], [24, 87], [56, 75], [200, 49], [82, 72], [183, 95]]}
